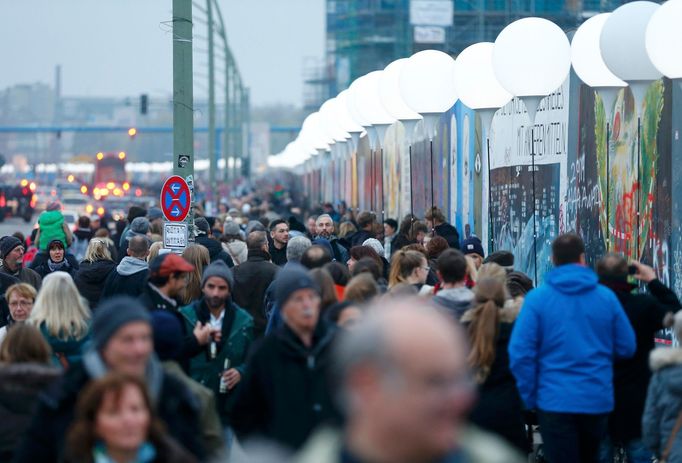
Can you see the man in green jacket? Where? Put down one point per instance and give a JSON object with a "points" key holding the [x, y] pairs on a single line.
{"points": [[220, 364]]}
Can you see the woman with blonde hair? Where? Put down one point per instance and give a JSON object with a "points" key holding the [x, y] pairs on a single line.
{"points": [[408, 267], [94, 270], [499, 408], [198, 256], [63, 318], [154, 250]]}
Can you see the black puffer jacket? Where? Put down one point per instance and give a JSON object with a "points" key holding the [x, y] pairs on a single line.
{"points": [[90, 279], [286, 392], [44, 439], [20, 384], [215, 250]]}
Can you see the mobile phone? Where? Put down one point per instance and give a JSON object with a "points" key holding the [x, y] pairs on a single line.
{"points": [[632, 269]]}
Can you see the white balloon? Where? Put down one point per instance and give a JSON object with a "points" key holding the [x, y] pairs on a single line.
{"points": [[389, 92], [531, 57], [586, 54], [664, 39], [368, 102], [622, 42], [313, 134], [475, 80], [342, 113], [330, 122], [427, 82], [355, 94]]}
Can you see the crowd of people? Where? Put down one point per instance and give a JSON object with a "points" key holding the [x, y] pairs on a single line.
{"points": [[327, 337]]}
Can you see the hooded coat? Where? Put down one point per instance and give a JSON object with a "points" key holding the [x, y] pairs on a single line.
{"points": [[129, 278], [45, 436], [51, 223], [20, 386], [664, 403], [456, 300], [286, 391], [91, 277], [448, 232], [43, 269], [565, 341]]}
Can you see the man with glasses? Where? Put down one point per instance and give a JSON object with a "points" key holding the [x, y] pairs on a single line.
{"points": [[279, 238], [12, 255], [405, 389]]}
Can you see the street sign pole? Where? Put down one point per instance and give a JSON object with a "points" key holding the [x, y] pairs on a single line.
{"points": [[183, 99]]}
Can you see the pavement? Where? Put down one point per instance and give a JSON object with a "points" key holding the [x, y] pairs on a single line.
{"points": [[14, 224]]}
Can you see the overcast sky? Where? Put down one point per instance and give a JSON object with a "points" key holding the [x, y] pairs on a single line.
{"points": [[123, 47]]}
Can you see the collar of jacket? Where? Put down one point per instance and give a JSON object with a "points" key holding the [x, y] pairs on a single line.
{"points": [[258, 255], [322, 337], [204, 316], [96, 368], [154, 290], [618, 286], [5, 269]]}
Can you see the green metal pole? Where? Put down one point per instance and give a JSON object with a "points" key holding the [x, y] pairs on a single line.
{"points": [[213, 162], [183, 98], [246, 133]]}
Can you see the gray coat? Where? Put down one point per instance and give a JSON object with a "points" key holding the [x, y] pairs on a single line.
{"points": [[664, 402]]}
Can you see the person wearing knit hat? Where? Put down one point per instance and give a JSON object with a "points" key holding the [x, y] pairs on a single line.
{"points": [[220, 362], [121, 342], [12, 255], [58, 260], [473, 248], [204, 237], [155, 214], [290, 367]]}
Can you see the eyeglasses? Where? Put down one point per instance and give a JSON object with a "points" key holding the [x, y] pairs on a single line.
{"points": [[22, 304], [427, 268]]}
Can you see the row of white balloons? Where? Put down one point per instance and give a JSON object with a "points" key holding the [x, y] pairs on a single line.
{"points": [[635, 45]]}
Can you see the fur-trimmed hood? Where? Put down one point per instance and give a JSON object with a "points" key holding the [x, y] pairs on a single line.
{"points": [[508, 313], [663, 357]]}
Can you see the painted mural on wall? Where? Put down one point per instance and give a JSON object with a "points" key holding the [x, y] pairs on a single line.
{"points": [[526, 167]]}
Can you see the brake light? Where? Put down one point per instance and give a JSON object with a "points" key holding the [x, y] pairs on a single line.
{"points": [[3, 202]]}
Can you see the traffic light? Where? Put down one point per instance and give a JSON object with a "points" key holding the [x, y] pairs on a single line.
{"points": [[144, 103]]}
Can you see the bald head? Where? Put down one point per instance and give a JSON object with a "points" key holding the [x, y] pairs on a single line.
{"points": [[408, 354]]}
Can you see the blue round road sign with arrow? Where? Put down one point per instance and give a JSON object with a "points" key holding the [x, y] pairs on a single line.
{"points": [[175, 199]]}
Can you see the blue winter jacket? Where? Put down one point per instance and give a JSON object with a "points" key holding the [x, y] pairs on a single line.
{"points": [[567, 335]]}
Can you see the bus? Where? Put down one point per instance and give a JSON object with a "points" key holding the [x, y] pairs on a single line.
{"points": [[110, 179]]}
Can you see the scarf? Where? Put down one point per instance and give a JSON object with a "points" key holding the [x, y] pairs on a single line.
{"points": [[58, 266]]}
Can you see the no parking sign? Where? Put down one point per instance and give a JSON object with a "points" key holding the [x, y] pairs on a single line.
{"points": [[175, 199]]}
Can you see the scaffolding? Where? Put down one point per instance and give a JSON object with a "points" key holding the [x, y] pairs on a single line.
{"points": [[366, 35]]}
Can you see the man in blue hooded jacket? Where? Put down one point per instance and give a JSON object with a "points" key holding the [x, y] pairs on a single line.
{"points": [[562, 350]]}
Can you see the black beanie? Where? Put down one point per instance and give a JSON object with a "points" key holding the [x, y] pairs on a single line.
{"points": [[7, 245], [290, 280], [112, 315]]}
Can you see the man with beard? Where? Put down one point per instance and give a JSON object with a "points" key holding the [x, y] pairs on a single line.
{"points": [[12, 255], [168, 274], [325, 229], [220, 364]]}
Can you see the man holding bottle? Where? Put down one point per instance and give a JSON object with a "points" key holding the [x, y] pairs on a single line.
{"points": [[220, 365]]}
